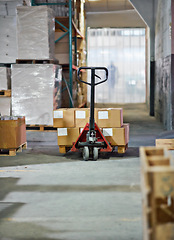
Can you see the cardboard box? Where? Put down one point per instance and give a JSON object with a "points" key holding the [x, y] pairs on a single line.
{"points": [[81, 117], [67, 136], [109, 117], [117, 136], [64, 118], [62, 57], [64, 39], [62, 47], [12, 133]]}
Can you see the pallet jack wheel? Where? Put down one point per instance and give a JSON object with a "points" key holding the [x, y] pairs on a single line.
{"points": [[95, 153], [85, 153]]}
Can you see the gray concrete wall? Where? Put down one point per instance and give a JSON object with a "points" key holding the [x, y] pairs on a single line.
{"points": [[163, 107]]}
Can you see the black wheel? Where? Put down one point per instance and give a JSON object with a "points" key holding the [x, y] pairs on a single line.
{"points": [[95, 153], [85, 153]]}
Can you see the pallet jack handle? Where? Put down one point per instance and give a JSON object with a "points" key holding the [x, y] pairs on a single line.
{"points": [[93, 75], [92, 84]]}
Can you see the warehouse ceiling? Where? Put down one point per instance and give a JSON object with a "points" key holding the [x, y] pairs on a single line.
{"points": [[112, 13], [107, 5]]}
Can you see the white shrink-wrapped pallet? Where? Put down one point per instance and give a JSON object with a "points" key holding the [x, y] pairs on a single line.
{"points": [[8, 7], [5, 106], [36, 90], [35, 32], [8, 43], [4, 78]]}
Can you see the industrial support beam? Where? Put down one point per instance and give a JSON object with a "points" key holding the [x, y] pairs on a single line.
{"points": [[172, 62], [147, 11], [70, 51]]}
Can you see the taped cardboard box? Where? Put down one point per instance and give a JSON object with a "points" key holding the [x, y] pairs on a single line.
{"points": [[81, 117], [109, 117], [64, 118], [12, 133], [67, 136], [117, 136]]}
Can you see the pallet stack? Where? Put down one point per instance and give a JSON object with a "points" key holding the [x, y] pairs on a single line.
{"points": [[157, 175], [71, 121], [12, 135], [36, 76]]}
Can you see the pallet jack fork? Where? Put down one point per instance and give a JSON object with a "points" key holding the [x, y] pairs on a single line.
{"points": [[91, 139]]}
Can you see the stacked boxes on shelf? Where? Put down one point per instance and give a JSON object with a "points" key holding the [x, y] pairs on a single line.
{"points": [[71, 121], [157, 186], [12, 133]]}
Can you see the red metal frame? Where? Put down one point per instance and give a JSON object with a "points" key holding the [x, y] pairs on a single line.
{"points": [[99, 135]]}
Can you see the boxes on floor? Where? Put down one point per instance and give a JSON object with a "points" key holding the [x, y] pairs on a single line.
{"points": [[67, 136], [64, 118], [12, 132], [81, 117], [117, 136], [109, 117]]}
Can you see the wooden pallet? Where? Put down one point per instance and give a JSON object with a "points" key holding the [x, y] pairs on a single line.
{"points": [[37, 61], [5, 93], [167, 143], [41, 128], [64, 149], [13, 151], [157, 185], [120, 149]]}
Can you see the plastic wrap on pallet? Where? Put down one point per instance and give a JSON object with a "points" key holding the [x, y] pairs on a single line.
{"points": [[5, 78], [60, 10], [5, 105], [8, 7], [8, 43], [36, 92], [35, 32]]}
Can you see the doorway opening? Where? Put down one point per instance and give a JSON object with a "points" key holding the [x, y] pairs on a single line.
{"points": [[122, 51]]}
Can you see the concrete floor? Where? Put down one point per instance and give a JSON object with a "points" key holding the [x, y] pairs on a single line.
{"points": [[47, 195]]}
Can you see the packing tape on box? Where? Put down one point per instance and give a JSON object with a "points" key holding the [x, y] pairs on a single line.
{"points": [[62, 132], [108, 132], [80, 114], [103, 115], [58, 114]]}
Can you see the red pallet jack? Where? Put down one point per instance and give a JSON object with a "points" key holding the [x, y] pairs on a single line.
{"points": [[91, 139]]}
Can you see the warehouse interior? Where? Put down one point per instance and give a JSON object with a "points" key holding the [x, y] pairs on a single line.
{"points": [[49, 187]]}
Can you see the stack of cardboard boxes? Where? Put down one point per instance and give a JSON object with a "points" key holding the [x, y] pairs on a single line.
{"points": [[71, 121]]}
